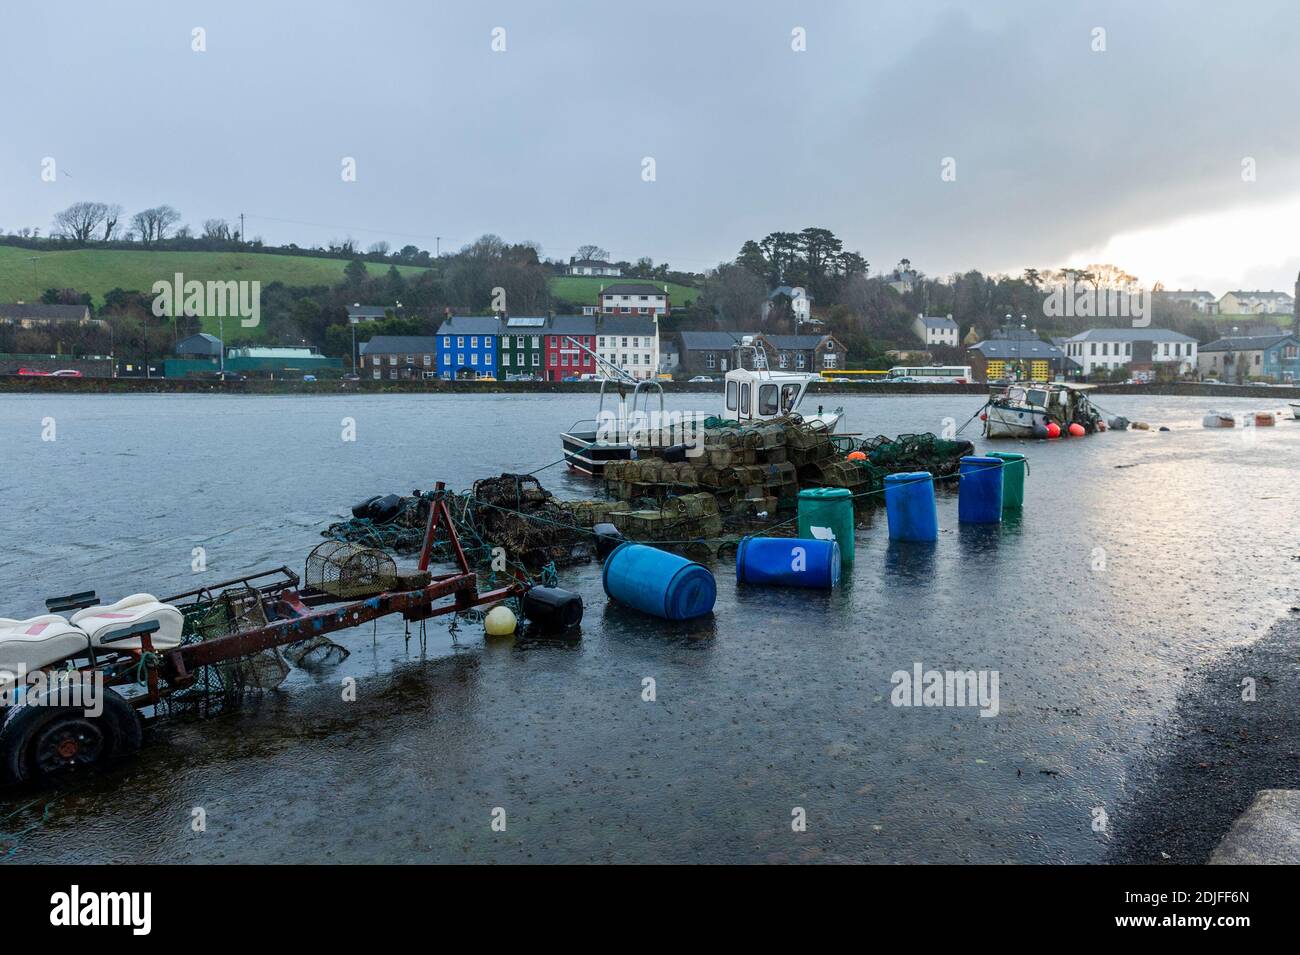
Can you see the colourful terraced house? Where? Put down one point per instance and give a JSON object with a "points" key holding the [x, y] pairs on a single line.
{"points": [[467, 347], [521, 346]]}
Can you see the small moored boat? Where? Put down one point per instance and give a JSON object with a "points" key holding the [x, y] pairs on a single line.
{"points": [[1024, 410]]}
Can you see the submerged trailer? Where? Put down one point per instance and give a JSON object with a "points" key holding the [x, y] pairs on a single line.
{"points": [[74, 689]]}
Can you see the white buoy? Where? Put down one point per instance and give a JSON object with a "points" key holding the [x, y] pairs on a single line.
{"points": [[500, 622]]}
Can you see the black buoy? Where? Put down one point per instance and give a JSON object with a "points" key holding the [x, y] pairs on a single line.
{"points": [[362, 508], [608, 537], [384, 509], [675, 454], [551, 609]]}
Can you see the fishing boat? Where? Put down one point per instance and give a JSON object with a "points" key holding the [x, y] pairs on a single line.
{"points": [[1024, 410], [632, 427], [1219, 419]]}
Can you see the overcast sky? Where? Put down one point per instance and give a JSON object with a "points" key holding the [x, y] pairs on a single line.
{"points": [[1063, 155]]}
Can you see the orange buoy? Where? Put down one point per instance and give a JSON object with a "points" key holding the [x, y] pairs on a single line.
{"points": [[1077, 431], [857, 456], [1053, 429]]}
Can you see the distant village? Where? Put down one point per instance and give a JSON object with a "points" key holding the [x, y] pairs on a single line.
{"points": [[629, 330]]}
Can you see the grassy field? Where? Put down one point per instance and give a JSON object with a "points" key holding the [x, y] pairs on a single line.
{"points": [[1282, 321], [583, 289], [98, 271]]}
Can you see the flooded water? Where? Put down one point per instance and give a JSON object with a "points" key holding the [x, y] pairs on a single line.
{"points": [[1138, 555]]}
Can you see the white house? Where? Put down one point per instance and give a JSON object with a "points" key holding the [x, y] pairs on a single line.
{"points": [[936, 330], [1199, 300], [593, 267], [634, 298], [631, 343], [1240, 302], [1102, 350]]}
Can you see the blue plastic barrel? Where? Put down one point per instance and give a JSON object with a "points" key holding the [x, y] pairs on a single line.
{"points": [[788, 562], [909, 504], [658, 582], [979, 500]]}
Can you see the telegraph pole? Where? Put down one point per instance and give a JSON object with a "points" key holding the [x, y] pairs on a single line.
{"points": [[243, 239]]}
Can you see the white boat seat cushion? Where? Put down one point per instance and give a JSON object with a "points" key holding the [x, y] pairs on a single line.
{"points": [[38, 642], [100, 621]]}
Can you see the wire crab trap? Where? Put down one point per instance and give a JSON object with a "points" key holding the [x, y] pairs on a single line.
{"points": [[347, 571], [240, 610]]}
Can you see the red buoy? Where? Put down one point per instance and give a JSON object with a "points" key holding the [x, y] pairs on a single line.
{"points": [[1077, 431], [1053, 429]]}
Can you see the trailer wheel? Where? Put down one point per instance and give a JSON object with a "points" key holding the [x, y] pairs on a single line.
{"points": [[39, 741]]}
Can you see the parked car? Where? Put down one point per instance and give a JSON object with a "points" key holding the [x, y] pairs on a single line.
{"points": [[34, 372], [701, 380], [351, 377], [65, 373], [308, 377]]}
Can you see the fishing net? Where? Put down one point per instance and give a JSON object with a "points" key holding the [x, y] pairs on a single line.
{"points": [[916, 452], [514, 512]]}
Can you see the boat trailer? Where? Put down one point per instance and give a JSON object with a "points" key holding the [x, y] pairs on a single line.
{"points": [[45, 730]]}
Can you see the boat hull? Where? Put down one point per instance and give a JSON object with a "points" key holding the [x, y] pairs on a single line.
{"points": [[583, 453], [1014, 422]]}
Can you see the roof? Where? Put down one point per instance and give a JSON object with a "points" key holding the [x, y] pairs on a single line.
{"points": [[399, 344], [788, 292], [210, 339], [572, 325], [796, 342], [470, 325], [633, 288], [625, 325], [1179, 293], [601, 262], [710, 341], [1243, 293], [366, 311], [1017, 348], [937, 321], [1248, 342], [525, 321], [42, 312], [1130, 335]]}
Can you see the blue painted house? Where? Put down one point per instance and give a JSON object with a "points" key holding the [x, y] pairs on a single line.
{"points": [[467, 347], [1272, 358]]}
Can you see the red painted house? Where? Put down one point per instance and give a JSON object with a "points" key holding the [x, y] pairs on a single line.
{"points": [[563, 359]]}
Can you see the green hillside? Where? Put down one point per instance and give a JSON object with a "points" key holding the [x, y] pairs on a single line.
{"points": [[98, 271], [583, 289]]}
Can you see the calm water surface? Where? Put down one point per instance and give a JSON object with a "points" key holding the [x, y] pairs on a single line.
{"points": [[1138, 554]]}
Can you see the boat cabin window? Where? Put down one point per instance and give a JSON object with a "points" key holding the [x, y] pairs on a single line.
{"points": [[789, 395], [744, 399], [731, 396], [767, 399], [1038, 398]]}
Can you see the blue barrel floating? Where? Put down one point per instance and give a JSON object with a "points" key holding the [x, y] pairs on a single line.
{"points": [[979, 500], [788, 562], [658, 582], [909, 504]]}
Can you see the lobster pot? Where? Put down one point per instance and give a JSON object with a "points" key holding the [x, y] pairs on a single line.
{"points": [[788, 562], [1014, 469], [979, 500], [909, 504], [658, 582], [347, 570]]}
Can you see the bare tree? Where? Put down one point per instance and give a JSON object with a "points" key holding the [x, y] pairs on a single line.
{"points": [[154, 224], [112, 216], [379, 248], [593, 253], [80, 221], [218, 229]]}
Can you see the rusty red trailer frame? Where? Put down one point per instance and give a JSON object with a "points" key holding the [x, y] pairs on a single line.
{"points": [[305, 613]]}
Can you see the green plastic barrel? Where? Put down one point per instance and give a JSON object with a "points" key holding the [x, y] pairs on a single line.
{"points": [[827, 512], [1014, 468]]}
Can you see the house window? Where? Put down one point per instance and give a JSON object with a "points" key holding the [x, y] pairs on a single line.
{"points": [[377, 373], [473, 358], [783, 361], [1094, 349], [798, 361], [473, 341], [828, 360], [410, 359], [505, 359], [535, 341], [710, 361], [554, 360], [1105, 348], [392, 359], [428, 360], [1128, 348], [537, 359], [487, 358], [446, 343]]}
